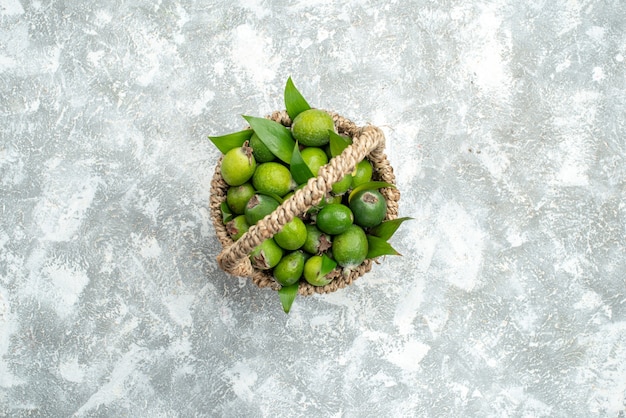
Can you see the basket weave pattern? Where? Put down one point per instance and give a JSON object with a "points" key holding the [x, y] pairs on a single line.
{"points": [[368, 142]]}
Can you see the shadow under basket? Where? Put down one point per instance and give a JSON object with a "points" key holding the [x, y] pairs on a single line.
{"points": [[368, 141]]}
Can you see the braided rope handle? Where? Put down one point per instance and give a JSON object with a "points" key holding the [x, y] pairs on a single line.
{"points": [[367, 141]]}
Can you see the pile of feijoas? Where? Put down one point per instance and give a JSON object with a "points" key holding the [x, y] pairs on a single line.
{"points": [[265, 164]]}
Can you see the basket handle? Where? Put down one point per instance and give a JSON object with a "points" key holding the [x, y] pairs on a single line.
{"points": [[367, 140]]}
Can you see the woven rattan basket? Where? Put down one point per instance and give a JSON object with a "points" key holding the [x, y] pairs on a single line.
{"points": [[368, 141]]}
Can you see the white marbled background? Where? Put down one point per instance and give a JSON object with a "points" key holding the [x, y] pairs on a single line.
{"points": [[506, 124]]}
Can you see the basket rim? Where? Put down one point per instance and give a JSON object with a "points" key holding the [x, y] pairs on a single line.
{"points": [[382, 170]]}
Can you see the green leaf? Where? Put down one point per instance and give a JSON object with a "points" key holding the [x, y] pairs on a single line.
{"points": [[338, 143], [227, 142], [369, 186], [298, 168], [378, 247], [386, 229], [272, 195], [294, 102], [328, 265], [287, 295], [275, 136], [227, 214]]}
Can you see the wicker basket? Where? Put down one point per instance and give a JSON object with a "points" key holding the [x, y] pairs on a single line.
{"points": [[368, 141]]}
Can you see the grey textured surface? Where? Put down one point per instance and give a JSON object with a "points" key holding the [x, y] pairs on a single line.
{"points": [[505, 124]]}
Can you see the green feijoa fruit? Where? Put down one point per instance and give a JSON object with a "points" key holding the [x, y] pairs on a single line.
{"points": [[369, 208], [292, 235], [311, 127], [362, 173], [237, 227], [316, 241], [334, 218], [238, 165], [342, 185], [313, 270], [261, 152], [237, 197], [266, 255], [314, 158], [273, 178], [258, 207], [290, 268], [350, 247], [331, 199]]}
